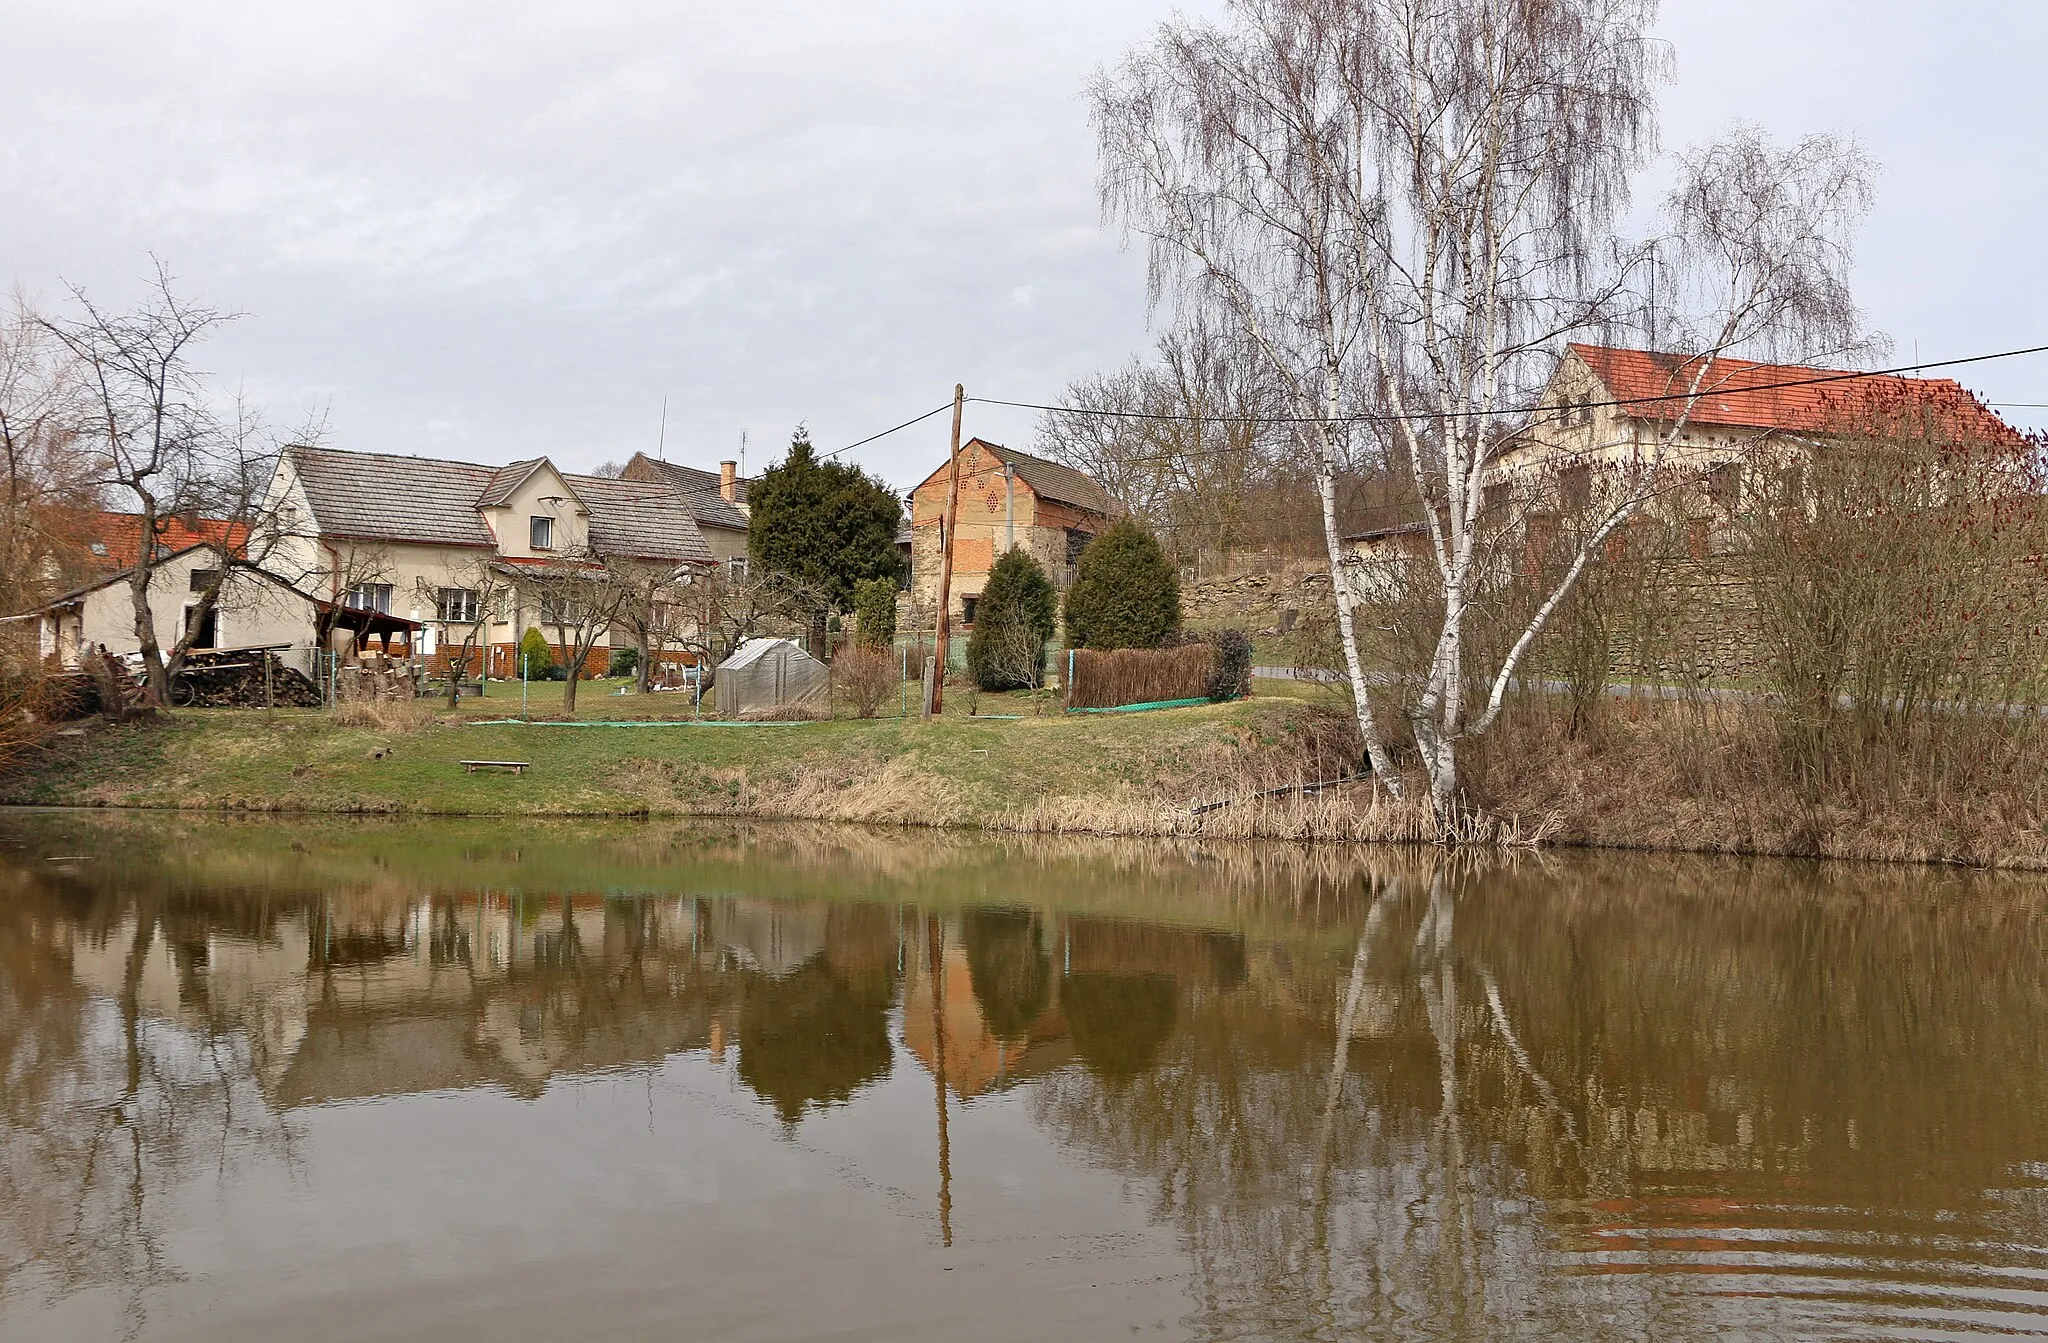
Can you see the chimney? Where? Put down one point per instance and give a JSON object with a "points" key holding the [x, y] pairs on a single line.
{"points": [[729, 481]]}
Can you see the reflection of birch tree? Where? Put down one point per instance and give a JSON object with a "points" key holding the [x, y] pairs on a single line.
{"points": [[1317, 1162], [109, 1112]]}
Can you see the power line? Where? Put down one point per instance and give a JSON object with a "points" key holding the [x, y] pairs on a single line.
{"points": [[886, 432], [1384, 417], [1379, 417]]}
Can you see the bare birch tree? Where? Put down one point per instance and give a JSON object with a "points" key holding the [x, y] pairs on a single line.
{"points": [[1408, 206]]}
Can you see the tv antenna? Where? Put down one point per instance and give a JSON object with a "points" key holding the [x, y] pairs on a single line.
{"points": [[661, 443]]}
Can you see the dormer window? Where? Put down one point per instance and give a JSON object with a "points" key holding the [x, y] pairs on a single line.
{"points": [[542, 534]]}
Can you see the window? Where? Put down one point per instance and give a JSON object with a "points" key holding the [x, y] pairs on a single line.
{"points": [[99, 548], [736, 569], [1077, 541], [967, 605], [556, 609], [204, 579], [456, 606], [541, 533], [370, 597], [1575, 486]]}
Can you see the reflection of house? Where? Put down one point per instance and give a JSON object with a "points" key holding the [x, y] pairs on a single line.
{"points": [[1007, 499], [954, 1040]]}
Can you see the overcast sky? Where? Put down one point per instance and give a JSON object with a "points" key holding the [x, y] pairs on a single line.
{"points": [[488, 231]]}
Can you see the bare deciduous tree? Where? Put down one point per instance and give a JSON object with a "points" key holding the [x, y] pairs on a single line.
{"points": [[1186, 443], [152, 430], [465, 607], [580, 597], [49, 492], [654, 608], [1408, 206]]}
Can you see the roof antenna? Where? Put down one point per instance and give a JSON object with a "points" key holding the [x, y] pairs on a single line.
{"points": [[743, 454], [661, 444]]}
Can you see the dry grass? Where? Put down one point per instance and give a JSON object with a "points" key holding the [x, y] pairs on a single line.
{"points": [[385, 715], [1657, 775]]}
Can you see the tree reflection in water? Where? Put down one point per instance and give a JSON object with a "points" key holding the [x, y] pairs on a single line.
{"points": [[1369, 1095]]}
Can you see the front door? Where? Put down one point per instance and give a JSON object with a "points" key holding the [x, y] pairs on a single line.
{"points": [[206, 628]]}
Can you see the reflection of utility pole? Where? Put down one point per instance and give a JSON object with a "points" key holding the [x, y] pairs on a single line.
{"points": [[935, 952], [935, 680]]}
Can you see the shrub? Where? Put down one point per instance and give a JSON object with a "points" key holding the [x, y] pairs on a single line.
{"points": [[536, 658], [866, 675], [624, 662], [874, 611], [1125, 593], [1015, 617], [1231, 676]]}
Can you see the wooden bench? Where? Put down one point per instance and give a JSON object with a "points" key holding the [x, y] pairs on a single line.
{"points": [[516, 766]]}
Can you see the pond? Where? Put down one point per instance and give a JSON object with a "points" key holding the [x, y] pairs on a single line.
{"points": [[496, 1080]]}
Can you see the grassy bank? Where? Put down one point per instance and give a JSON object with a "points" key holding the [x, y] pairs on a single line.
{"points": [[1644, 775], [1114, 774]]}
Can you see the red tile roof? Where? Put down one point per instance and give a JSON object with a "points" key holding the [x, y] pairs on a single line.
{"points": [[115, 538], [1739, 393]]}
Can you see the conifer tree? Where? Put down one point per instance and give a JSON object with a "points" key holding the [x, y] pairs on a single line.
{"points": [[1125, 593]]}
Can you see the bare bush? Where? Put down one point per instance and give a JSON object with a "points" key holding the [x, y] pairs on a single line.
{"points": [[865, 674]]}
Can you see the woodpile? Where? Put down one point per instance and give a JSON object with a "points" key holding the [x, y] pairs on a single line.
{"points": [[376, 681], [242, 680]]}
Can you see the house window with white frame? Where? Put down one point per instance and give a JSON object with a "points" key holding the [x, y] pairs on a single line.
{"points": [[370, 597], [556, 609], [457, 606], [541, 533]]}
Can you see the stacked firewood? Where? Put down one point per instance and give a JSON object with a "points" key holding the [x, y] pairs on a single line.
{"points": [[245, 680]]}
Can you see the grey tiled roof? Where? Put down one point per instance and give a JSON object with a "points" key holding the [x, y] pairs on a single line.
{"points": [[507, 480], [639, 519], [1050, 480], [699, 490], [378, 497]]}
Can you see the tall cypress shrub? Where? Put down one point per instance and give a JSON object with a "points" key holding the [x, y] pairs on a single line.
{"points": [[1125, 593], [1013, 620], [874, 611]]}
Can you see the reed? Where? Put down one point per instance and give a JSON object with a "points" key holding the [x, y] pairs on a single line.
{"points": [[1140, 676]]}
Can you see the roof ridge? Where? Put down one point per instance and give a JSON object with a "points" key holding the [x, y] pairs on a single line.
{"points": [[392, 456]]}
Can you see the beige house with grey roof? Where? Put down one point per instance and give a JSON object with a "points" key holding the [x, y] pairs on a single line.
{"points": [[434, 541]]}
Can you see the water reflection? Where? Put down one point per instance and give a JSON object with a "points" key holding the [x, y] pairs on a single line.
{"points": [[1351, 1094]]}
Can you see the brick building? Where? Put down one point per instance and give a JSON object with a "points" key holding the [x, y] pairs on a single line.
{"points": [[1007, 498]]}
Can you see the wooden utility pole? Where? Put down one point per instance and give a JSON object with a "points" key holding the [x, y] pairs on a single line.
{"points": [[935, 690]]}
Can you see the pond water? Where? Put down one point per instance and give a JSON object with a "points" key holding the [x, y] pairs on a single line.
{"points": [[491, 1080]]}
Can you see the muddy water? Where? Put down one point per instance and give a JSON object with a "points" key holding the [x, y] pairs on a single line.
{"points": [[485, 1081]]}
